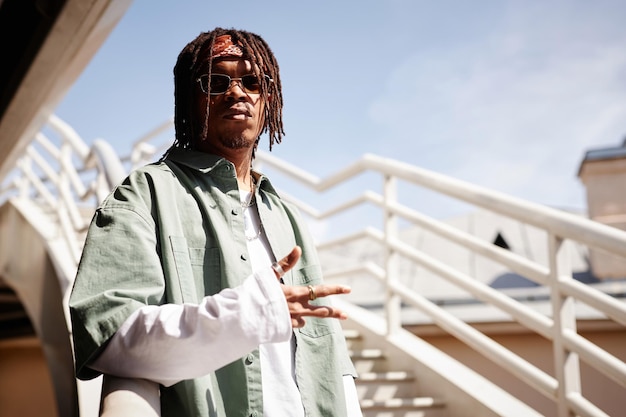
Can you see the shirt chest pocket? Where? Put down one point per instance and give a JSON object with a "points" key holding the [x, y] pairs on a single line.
{"points": [[315, 327], [197, 270]]}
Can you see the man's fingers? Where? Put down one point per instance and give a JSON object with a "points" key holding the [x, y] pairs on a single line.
{"points": [[300, 302], [329, 312], [297, 322], [318, 311], [289, 261], [324, 290], [294, 256], [304, 294]]}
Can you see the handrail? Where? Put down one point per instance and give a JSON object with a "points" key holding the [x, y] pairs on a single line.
{"points": [[66, 175], [561, 223]]}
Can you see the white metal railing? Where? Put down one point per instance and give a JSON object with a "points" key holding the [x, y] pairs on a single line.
{"points": [[564, 388], [68, 178]]}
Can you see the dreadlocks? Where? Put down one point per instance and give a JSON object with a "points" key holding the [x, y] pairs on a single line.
{"points": [[195, 57]]}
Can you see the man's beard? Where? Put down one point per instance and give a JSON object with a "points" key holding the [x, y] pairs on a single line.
{"points": [[236, 142]]}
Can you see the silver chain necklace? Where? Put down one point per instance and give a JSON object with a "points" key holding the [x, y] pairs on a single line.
{"points": [[255, 236], [252, 200], [246, 205]]}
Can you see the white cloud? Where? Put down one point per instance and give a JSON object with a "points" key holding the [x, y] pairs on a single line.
{"points": [[514, 112]]}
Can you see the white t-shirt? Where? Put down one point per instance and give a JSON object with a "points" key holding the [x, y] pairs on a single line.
{"points": [[277, 359]]}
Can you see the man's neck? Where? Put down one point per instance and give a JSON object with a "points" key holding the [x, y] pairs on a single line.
{"points": [[244, 177]]}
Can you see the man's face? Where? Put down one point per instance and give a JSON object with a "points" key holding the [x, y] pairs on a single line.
{"points": [[235, 117]]}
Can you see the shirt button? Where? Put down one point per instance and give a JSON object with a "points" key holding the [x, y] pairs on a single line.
{"points": [[249, 359], [234, 212], [244, 257], [253, 414]]}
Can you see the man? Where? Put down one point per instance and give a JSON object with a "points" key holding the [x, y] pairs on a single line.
{"points": [[179, 278]]}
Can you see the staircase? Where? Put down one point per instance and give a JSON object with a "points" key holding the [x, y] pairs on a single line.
{"points": [[403, 376], [400, 374], [384, 390]]}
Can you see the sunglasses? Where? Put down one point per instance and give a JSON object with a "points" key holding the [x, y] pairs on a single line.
{"points": [[220, 83]]}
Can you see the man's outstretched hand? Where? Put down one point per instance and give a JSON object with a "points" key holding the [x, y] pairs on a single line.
{"points": [[299, 297]]}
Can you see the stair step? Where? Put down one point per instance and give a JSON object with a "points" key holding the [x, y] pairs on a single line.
{"points": [[354, 339], [402, 403], [368, 360], [390, 377], [383, 392], [366, 354], [351, 334]]}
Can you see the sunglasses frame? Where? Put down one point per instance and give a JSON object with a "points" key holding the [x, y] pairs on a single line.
{"points": [[230, 82]]}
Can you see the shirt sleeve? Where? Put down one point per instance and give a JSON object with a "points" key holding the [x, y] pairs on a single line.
{"points": [[172, 342]]}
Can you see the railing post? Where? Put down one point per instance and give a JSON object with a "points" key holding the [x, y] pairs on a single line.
{"points": [[566, 363], [392, 301], [24, 164]]}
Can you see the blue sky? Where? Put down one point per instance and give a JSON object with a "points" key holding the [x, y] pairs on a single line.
{"points": [[505, 94]]}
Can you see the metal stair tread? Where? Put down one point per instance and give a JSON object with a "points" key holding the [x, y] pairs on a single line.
{"points": [[366, 354], [351, 334], [391, 376], [402, 403]]}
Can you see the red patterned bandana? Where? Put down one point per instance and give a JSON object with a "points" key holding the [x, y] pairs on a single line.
{"points": [[224, 46]]}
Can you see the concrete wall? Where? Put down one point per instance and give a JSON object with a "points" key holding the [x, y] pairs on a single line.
{"points": [[26, 388], [605, 182], [26, 268], [600, 390]]}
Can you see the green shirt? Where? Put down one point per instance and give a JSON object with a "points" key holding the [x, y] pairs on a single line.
{"points": [[172, 232]]}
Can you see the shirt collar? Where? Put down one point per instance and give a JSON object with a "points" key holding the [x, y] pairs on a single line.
{"points": [[209, 163], [200, 161]]}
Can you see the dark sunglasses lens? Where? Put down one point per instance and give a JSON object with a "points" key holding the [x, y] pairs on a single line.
{"points": [[219, 83], [251, 83]]}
